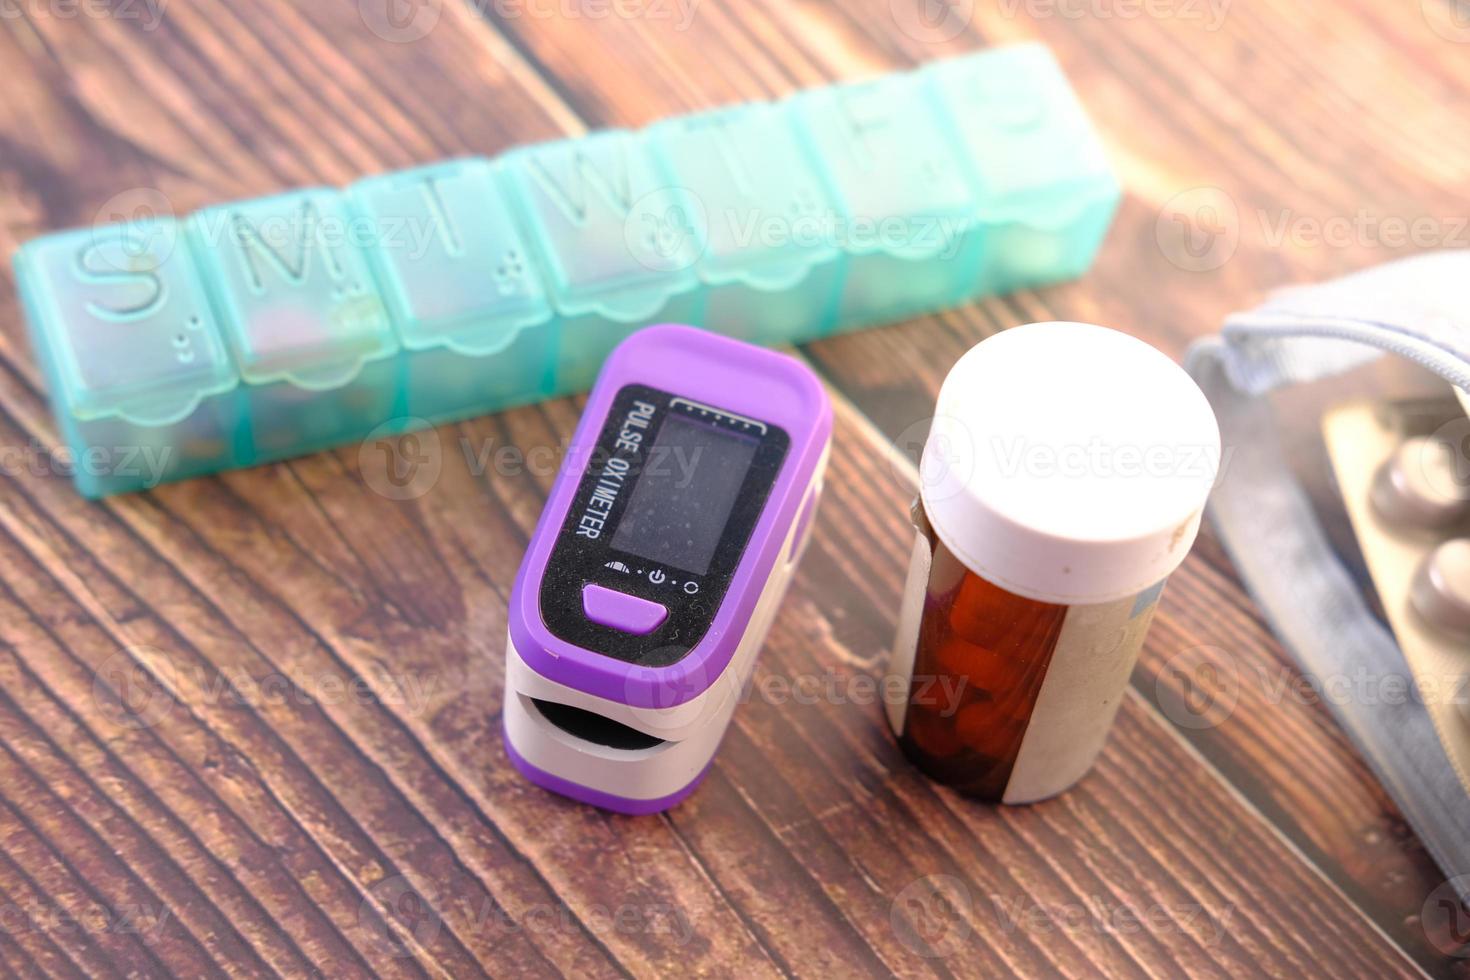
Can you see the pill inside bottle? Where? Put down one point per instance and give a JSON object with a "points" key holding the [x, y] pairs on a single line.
{"points": [[1063, 479]]}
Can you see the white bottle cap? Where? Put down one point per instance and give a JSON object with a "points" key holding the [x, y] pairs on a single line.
{"points": [[1069, 463]]}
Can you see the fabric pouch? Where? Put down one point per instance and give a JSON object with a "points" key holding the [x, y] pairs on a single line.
{"points": [[1280, 535]]}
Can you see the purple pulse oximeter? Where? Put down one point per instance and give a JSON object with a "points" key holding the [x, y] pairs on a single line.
{"points": [[665, 548]]}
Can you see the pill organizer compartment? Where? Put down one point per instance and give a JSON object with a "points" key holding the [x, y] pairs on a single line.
{"points": [[302, 317], [766, 223], [610, 232], [140, 379], [467, 304], [1046, 193], [907, 207]]}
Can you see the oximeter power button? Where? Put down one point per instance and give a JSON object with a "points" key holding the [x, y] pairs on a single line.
{"points": [[620, 611]]}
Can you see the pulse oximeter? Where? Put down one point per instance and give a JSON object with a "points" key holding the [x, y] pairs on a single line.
{"points": [[667, 543]]}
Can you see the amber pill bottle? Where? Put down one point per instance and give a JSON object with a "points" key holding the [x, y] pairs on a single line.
{"points": [[1063, 479]]}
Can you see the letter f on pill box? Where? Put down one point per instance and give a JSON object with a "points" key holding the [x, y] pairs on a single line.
{"points": [[657, 567]]}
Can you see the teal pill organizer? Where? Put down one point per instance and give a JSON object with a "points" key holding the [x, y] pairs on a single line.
{"points": [[265, 329]]}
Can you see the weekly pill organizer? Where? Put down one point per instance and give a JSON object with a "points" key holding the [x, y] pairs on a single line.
{"points": [[269, 328]]}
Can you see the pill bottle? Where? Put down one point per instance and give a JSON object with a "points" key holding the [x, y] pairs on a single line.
{"points": [[1063, 479]]}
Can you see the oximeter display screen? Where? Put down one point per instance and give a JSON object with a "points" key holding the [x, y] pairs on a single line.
{"points": [[685, 493], [661, 518]]}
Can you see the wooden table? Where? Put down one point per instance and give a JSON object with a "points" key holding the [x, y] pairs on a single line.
{"points": [[250, 724]]}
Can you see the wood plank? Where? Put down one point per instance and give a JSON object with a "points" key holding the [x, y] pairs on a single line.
{"points": [[1334, 807], [33, 935], [786, 862], [814, 876]]}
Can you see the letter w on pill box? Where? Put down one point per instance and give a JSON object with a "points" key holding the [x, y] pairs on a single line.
{"points": [[658, 564]]}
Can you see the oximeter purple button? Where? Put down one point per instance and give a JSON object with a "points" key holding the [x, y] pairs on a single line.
{"points": [[620, 611]]}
